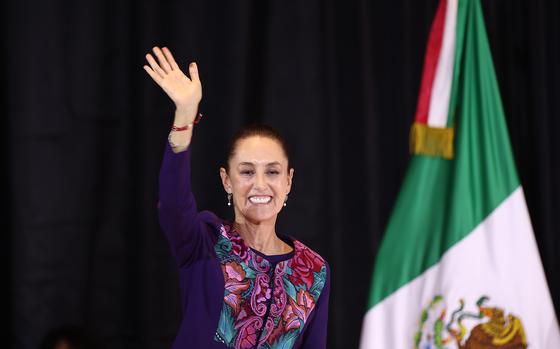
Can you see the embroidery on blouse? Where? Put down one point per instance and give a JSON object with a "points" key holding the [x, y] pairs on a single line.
{"points": [[254, 294]]}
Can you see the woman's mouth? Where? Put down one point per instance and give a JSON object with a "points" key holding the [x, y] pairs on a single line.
{"points": [[260, 200]]}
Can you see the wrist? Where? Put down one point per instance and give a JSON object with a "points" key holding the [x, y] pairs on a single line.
{"points": [[182, 124], [186, 113]]}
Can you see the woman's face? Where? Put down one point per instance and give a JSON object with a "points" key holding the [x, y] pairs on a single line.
{"points": [[258, 178]]}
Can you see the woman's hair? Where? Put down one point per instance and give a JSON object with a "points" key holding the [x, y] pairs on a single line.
{"points": [[258, 130]]}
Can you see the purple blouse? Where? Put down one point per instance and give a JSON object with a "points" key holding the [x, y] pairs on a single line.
{"points": [[233, 296]]}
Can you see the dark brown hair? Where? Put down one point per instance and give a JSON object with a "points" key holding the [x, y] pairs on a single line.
{"points": [[258, 130]]}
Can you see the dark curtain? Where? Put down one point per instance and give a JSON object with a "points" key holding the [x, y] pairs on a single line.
{"points": [[83, 130]]}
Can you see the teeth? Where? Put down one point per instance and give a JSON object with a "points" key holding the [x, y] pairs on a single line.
{"points": [[260, 199]]}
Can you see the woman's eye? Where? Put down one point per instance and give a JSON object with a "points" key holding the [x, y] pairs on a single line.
{"points": [[247, 172], [273, 172]]}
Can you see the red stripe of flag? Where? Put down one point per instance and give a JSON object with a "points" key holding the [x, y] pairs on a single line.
{"points": [[430, 63]]}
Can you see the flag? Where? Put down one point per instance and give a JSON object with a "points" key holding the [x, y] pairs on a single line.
{"points": [[458, 266]]}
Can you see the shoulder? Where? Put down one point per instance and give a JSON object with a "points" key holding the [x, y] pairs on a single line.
{"points": [[213, 225], [211, 219], [303, 251]]}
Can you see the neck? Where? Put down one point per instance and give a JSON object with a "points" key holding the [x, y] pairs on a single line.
{"points": [[261, 236]]}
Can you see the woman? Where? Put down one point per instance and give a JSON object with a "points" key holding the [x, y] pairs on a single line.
{"points": [[242, 284]]}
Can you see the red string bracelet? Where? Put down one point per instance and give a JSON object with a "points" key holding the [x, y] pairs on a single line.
{"points": [[182, 128], [188, 126]]}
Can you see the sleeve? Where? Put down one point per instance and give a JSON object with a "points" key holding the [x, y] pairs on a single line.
{"points": [[178, 214], [315, 335]]}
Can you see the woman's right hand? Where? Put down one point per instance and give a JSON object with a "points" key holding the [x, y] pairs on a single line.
{"points": [[185, 92]]}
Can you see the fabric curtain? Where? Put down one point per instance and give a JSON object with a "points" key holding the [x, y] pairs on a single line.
{"points": [[83, 130]]}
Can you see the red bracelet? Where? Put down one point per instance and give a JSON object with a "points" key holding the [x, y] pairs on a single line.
{"points": [[188, 126], [182, 128]]}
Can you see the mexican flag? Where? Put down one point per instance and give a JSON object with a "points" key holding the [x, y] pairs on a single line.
{"points": [[459, 266]]}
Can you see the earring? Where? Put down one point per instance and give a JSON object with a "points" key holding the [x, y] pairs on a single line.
{"points": [[229, 195], [285, 200]]}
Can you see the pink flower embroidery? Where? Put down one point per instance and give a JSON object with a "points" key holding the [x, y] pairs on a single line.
{"points": [[236, 284], [290, 318], [305, 300], [248, 333], [304, 264], [298, 310], [234, 271], [303, 305], [238, 247]]}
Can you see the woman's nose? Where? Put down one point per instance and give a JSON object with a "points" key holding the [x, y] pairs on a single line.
{"points": [[260, 181]]}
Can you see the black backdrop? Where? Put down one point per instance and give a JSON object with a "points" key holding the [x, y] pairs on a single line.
{"points": [[83, 130]]}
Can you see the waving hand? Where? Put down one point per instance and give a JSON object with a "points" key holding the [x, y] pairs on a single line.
{"points": [[185, 92]]}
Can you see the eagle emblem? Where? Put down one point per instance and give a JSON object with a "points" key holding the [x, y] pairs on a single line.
{"points": [[483, 327]]}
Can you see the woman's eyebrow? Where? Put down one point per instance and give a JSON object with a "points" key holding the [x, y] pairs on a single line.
{"points": [[246, 164]]}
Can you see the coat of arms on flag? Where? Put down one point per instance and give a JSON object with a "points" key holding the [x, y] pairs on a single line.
{"points": [[483, 326]]}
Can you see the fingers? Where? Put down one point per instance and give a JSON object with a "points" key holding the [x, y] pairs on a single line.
{"points": [[193, 71], [162, 60], [155, 66], [153, 74], [159, 70], [170, 58]]}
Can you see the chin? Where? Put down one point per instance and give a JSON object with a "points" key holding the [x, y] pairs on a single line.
{"points": [[260, 215]]}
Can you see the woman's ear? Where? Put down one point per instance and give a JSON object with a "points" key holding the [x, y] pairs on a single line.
{"points": [[290, 178], [226, 182]]}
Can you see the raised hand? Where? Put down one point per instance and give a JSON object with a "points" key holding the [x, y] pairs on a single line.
{"points": [[185, 92]]}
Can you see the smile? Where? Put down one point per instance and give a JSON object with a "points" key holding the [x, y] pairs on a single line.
{"points": [[260, 199]]}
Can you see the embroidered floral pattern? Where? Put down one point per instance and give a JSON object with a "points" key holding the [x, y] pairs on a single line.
{"points": [[265, 308]]}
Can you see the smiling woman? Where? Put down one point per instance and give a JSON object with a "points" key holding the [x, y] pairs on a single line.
{"points": [[243, 285], [258, 179]]}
